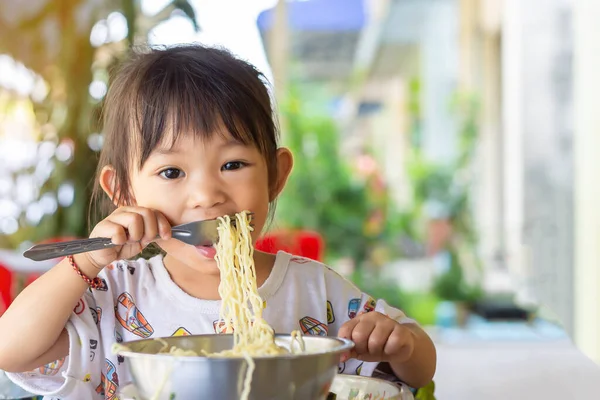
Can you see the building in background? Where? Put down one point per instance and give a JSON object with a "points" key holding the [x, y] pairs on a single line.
{"points": [[517, 58]]}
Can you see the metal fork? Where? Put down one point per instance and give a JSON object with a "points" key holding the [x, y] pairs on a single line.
{"points": [[197, 233]]}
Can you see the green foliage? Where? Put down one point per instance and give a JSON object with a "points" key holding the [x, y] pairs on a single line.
{"points": [[443, 190], [427, 392], [419, 306], [57, 48], [321, 193], [452, 286]]}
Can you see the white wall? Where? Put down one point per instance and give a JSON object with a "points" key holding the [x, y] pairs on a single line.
{"points": [[439, 77], [537, 118], [587, 167]]}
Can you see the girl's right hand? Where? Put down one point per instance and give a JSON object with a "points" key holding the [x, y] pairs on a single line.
{"points": [[131, 229]]}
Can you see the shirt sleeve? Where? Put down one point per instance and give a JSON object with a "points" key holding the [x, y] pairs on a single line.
{"points": [[345, 301], [78, 374]]}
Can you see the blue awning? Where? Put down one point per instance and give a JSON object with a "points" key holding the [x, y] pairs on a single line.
{"points": [[319, 15]]}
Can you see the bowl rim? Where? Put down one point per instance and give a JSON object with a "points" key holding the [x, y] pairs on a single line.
{"points": [[344, 345]]}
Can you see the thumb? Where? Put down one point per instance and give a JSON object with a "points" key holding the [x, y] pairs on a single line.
{"points": [[345, 332]]}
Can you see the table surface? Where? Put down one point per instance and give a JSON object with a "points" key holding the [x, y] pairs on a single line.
{"points": [[539, 364]]}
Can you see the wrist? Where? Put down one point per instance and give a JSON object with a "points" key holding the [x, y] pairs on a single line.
{"points": [[87, 265]]}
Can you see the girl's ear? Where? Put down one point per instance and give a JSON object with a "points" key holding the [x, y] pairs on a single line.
{"points": [[285, 162], [108, 182]]}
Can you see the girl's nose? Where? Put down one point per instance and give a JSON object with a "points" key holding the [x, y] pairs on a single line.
{"points": [[206, 194]]}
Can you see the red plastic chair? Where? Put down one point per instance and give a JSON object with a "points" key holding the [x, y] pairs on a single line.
{"points": [[6, 285], [302, 243]]}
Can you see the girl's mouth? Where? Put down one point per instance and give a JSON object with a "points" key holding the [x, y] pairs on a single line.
{"points": [[207, 251]]}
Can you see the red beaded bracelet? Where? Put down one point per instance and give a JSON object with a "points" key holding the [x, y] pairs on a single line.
{"points": [[94, 283]]}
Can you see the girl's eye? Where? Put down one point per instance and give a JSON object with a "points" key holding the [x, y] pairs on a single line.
{"points": [[233, 165], [171, 173]]}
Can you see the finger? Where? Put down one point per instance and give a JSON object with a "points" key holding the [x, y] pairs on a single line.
{"points": [[132, 222], [345, 356], [379, 338], [116, 232], [360, 336], [150, 225], [345, 330], [400, 344], [164, 227]]}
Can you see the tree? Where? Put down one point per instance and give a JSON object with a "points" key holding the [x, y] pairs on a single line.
{"points": [[52, 39], [322, 194]]}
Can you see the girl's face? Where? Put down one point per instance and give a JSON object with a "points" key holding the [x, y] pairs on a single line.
{"points": [[205, 179]]}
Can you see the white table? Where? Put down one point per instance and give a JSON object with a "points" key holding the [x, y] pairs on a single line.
{"points": [[543, 369]]}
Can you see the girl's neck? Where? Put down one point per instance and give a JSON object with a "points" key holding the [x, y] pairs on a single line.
{"points": [[205, 285]]}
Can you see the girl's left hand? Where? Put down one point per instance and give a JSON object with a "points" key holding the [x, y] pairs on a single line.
{"points": [[378, 338]]}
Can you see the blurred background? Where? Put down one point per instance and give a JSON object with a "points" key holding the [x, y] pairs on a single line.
{"points": [[446, 150]]}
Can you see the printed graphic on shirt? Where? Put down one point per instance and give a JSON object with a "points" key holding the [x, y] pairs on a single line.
{"points": [[131, 318], [52, 368], [109, 383], [353, 306], [80, 307], [96, 314], [87, 378], [369, 305], [219, 326], [312, 326], [330, 314], [119, 339], [103, 287], [181, 332], [341, 368], [93, 347], [359, 368], [124, 266]]}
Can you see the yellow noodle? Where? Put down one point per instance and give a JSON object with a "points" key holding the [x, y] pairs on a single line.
{"points": [[241, 305]]}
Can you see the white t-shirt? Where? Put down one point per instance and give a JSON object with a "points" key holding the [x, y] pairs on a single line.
{"points": [[139, 300]]}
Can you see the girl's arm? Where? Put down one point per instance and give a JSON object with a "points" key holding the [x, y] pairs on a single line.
{"points": [[32, 330], [419, 369]]}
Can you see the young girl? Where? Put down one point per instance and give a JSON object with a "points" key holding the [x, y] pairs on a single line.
{"points": [[189, 135]]}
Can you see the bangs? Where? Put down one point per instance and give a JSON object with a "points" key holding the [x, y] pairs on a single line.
{"points": [[159, 95], [181, 95]]}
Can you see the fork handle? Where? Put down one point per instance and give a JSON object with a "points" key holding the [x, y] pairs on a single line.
{"points": [[42, 252]]}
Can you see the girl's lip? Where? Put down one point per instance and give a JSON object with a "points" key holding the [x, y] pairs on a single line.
{"points": [[207, 251]]}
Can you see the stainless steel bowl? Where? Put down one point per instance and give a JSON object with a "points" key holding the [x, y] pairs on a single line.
{"points": [[295, 376]]}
